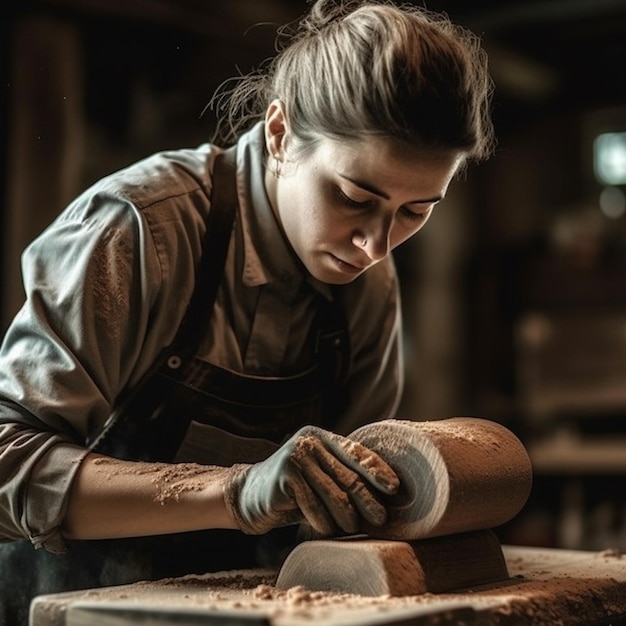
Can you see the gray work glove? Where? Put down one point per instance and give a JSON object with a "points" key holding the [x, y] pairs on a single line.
{"points": [[317, 477]]}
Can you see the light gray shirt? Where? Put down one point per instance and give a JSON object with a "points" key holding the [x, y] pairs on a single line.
{"points": [[106, 287]]}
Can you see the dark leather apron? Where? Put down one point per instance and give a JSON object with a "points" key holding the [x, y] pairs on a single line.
{"points": [[186, 409]]}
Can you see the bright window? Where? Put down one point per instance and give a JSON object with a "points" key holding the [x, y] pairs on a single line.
{"points": [[610, 158]]}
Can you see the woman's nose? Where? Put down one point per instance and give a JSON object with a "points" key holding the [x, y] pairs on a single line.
{"points": [[374, 241]]}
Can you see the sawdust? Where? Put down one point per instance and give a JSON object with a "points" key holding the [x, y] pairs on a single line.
{"points": [[560, 602], [113, 259], [272, 601], [170, 480], [611, 553], [556, 602]]}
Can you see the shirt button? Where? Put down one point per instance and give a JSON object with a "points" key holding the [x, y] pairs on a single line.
{"points": [[174, 362]]}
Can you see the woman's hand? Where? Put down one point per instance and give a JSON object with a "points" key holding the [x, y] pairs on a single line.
{"points": [[316, 477]]}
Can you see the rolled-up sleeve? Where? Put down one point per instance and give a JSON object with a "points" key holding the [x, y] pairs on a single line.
{"points": [[69, 351], [38, 468], [106, 284]]}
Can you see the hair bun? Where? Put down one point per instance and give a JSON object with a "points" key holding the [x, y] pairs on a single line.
{"points": [[353, 68], [324, 12]]}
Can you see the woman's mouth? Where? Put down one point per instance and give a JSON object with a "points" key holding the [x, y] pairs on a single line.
{"points": [[346, 267]]}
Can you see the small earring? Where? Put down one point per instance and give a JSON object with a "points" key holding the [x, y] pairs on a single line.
{"points": [[276, 167]]}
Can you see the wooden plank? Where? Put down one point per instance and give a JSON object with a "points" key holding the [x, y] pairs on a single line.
{"points": [[115, 614], [547, 586]]}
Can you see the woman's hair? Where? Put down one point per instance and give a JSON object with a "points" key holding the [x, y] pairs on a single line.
{"points": [[354, 68]]}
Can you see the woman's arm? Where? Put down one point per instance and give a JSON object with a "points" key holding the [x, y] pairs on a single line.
{"points": [[110, 498], [316, 476]]}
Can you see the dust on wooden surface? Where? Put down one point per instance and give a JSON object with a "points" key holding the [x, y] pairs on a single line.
{"points": [[574, 592]]}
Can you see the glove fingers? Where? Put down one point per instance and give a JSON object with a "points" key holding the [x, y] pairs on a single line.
{"points": [[311, 508], [329, 493], [369, 507], [288, 518], [366, 463], [351, 483]]}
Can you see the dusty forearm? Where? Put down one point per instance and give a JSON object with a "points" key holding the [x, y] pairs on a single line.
{"points": [[112, 498]]}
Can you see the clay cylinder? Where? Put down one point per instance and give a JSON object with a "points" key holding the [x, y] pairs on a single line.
{"points": [[456, 475]]}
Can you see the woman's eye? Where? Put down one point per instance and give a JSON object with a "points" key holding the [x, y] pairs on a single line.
{"points": [[352, 202], [412, 215]]}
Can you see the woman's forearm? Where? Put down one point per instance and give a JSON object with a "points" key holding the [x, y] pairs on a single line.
{"points": [[111, 498]]}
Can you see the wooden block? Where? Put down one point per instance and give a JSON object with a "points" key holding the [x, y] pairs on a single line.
{"points": [[456, 475], [374, 567]]}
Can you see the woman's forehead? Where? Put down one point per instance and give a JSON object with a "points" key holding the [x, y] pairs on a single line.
{"points": [[386, 161]]}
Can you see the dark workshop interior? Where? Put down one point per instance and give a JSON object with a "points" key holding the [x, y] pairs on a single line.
{"points": [[515, 293]]}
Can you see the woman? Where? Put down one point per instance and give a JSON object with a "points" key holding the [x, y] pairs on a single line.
{"points": [[205, 328]]}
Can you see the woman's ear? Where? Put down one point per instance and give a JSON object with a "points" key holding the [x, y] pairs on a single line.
{"points": [[275, 129]]}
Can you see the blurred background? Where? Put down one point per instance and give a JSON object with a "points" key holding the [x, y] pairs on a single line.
{"points": [[515, 293]]}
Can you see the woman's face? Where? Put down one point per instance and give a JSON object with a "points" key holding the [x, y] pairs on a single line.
{"points": [[345, 206]]}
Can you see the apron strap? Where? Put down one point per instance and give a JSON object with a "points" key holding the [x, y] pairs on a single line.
{"points": [[219, 226]]}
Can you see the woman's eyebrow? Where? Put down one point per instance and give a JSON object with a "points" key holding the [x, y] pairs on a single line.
{"points": [[378, 192]]}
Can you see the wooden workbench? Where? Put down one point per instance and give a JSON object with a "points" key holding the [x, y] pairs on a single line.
{"points": [[547, 587]]}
